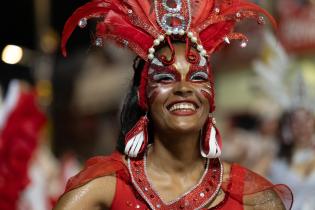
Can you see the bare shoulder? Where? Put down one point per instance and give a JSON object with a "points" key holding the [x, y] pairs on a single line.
{"points": [[97, 194]]}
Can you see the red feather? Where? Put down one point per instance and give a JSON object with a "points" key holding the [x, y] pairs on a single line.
{"points": [[248, 6], [89, 10], [201, 10], [120, 28], [142, 9], [215, 33], [139, 28], [212, 36]]}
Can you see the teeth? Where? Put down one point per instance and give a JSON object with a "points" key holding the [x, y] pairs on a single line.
{"points": [[183, 106]]}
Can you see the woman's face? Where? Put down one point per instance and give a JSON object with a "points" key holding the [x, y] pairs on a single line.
{"points": [[178, 95]]}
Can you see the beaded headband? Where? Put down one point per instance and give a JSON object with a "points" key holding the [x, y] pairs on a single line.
{"points": [[143, 25]]}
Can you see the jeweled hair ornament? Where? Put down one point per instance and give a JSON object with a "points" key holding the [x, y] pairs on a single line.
{"points": [[143, 25]]}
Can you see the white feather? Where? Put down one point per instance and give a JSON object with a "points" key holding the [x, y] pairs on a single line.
{"points": [[129, 145], [140, 142], [134, 145]]}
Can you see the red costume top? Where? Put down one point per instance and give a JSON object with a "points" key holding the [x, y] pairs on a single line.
{"points": [[243, 188]]}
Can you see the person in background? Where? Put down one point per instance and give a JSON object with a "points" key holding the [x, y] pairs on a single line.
{"points": [[21, 124], [295, 165]]}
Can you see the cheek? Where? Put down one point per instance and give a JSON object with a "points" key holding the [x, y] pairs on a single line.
{"points": [[157, 91], [205, 90]]}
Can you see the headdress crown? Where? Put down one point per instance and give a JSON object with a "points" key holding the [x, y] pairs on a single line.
{"points": [[142, 25]]}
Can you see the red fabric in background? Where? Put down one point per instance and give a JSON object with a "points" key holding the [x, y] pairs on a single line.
{"points": [[18, 140]]}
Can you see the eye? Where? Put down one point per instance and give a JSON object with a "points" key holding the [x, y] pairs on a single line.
{"points": [[199, 76], [163, 77]]}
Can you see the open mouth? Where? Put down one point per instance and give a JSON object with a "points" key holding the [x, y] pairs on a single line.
{"points": [[183, 108]]}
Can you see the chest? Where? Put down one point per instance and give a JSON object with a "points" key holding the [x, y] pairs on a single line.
{"points": [[126, 197]]}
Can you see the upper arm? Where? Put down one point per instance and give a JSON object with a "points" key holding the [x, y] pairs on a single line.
{"points": [[264, 200], [95, 195]]}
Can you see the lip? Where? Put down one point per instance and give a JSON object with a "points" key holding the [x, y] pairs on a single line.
{"points": [[183, 112]]}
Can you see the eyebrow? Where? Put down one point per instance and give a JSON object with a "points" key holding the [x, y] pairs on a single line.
{"points": [[159, 69], [196, 68], [164, 69]]}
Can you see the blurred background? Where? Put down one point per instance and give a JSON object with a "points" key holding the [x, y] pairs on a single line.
{"points": [[57, 112]]}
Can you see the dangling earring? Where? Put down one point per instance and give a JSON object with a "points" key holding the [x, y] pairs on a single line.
{"points": [[211, 142], [136, 140]]}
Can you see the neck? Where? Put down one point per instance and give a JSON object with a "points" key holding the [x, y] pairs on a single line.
{"points": [[181, 152]]}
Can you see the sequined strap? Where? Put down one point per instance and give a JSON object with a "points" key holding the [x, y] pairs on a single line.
{"points": [[197, 197]]}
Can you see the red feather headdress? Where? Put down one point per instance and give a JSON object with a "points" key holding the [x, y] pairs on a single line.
{"points": [[142, 25]]}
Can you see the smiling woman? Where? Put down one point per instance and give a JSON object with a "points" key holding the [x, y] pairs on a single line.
{"points": [[168, 150], [178, 94]]}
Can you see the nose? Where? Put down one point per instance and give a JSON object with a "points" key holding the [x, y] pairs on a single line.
{"points": [[183, 89]]}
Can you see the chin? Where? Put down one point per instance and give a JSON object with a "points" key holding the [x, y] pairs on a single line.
{"points": [[185, 127]]}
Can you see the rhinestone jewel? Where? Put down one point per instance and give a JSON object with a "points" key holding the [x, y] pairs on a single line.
{"points": [[186, 203], [238, 15], [171, 9], [261, 20], [82, 23], [125, 43], [227, 40], [158, 206], [202, 195], [216, 10], [243, 44], [99, 42]]}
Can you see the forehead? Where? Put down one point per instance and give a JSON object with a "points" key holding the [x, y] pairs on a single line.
{"points": [[181, 64]]}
